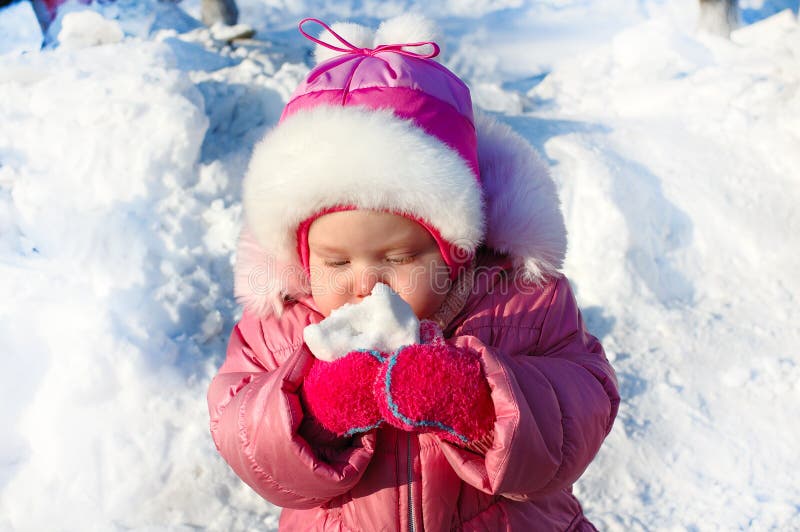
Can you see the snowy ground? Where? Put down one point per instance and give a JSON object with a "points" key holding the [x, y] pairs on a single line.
{"points": [[677, 159]]}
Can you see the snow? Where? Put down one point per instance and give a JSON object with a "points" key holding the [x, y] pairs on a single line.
{"points": [[84, 28], [19, 31], [223, 32], [382, 321], [676, 158]]}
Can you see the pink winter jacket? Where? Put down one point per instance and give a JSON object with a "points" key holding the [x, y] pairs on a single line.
{"points": [[555, 398]]}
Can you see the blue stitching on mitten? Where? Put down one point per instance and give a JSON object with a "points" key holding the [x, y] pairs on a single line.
{"points": [[374, 352], [396, 409], [359, 430]]}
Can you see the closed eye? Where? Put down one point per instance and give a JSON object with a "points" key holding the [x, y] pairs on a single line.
{"points": [[405, 259], [336, 263]]}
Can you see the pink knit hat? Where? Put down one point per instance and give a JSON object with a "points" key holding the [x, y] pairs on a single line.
{"points": [[377, 125]]}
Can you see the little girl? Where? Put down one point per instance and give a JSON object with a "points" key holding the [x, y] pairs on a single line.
{"points": [[378, 172]]}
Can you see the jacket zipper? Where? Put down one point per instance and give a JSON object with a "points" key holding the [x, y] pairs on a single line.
{"points": [[410, 486]]}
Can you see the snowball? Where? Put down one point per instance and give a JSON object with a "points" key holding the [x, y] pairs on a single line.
{"points": [[81, 29], [381, 321]]}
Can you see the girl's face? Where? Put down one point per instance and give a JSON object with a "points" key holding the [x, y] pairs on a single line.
{"points": [[350, 251]]}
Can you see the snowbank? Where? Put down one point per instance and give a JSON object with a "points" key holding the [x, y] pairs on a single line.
{"points": [[115, 247], [679, 171]]}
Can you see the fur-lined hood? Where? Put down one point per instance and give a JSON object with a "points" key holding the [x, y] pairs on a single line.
{"points": [[521, 213]]}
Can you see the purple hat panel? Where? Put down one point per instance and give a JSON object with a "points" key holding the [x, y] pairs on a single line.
{"points": [[417, 89]]}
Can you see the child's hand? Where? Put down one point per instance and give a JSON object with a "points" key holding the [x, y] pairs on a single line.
{"points": [[437, 388], [382, 321], [423, 387], [339, 394]]}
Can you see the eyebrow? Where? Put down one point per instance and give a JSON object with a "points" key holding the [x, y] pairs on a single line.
{"points": [[325, 248], [389, 247]]}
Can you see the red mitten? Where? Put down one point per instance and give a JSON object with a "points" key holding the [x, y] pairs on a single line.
{"points": [[436, 388], [339, 394], [429, 332]]}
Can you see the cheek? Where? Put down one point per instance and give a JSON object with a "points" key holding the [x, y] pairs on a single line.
{"points": [[327, 302], [424, 290], [327, 296], [326, 280]]}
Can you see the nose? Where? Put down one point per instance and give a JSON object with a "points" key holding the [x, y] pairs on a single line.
{"points": [[366, 279]]}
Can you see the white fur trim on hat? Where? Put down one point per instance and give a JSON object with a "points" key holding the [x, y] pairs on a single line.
{"points": [[523, 218], [261, 283], [523, 212], [369, 159]]}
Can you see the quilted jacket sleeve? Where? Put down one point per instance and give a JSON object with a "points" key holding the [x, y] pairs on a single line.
{"points": [[555, 402], [257, 423]]}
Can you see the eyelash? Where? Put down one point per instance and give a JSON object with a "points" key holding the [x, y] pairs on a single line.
{"points": [[397, 261], [400, 260]]}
